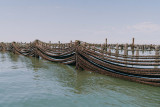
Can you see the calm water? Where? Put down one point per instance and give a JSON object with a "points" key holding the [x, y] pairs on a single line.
{"points": [[30, 82]]}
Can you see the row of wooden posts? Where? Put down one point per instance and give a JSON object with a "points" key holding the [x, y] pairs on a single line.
{"points": [[104, 47], [102, 58]]}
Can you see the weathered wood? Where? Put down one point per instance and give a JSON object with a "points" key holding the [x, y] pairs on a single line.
{"points": [[126, 50], [109, 51], [117, 50], [97, 58], [77, 44]]}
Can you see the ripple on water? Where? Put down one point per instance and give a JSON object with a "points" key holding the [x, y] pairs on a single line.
{"points": [[30, 82]]}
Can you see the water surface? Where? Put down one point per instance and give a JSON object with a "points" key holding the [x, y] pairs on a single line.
{"points": [[31, 82]]}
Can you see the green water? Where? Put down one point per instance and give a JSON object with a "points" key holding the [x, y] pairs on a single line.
{"points": [[31, 82]]}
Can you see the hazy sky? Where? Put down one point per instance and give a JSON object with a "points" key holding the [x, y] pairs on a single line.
{"points": [[86, 20]]}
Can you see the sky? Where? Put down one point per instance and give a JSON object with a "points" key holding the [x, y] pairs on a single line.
{"points": [[86, 20]]}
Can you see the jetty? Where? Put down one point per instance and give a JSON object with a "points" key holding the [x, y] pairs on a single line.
{"points": [[124, 61]]}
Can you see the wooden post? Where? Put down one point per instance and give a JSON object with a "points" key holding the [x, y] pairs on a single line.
{"points": [[109, 51], [126, 50], [89, 46], [132, 47], [101, 48], [143, 49], [137, 52], [94, 48], [35, 51], [71, 43], [133, 42], [59, 43], [121, 47], [14, 45], [77, 44], [64, 46], [84, 45], [156, 51], [2, 46], [117, 50], [106, 45], [156, 55], [36, 42], [50, 44]]}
